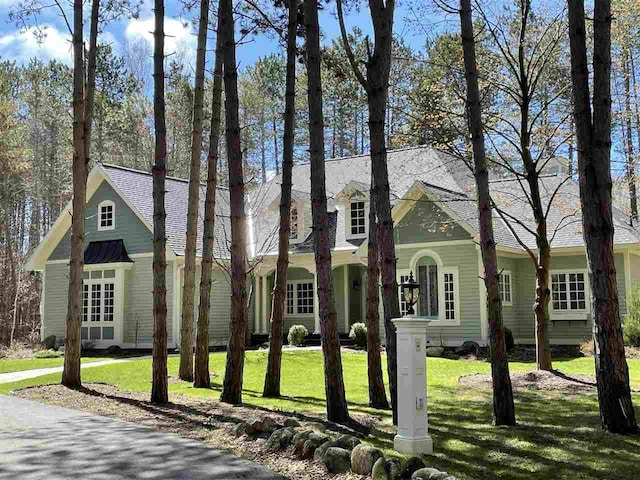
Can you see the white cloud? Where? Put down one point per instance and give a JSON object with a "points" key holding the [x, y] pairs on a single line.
{"points": [[24, 45], [179, 38]]}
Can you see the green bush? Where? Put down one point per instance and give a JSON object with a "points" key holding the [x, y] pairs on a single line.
{"points": [[358, 334], [632, 320], [296, 335], [47, 354]]}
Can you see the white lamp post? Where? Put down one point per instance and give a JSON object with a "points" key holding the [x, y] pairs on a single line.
{"points": [[413, 434]]}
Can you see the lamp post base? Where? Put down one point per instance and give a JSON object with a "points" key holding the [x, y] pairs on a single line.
{"points": [[415, 446]]}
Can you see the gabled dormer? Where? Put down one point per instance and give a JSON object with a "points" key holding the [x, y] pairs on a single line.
{"points": [[355, 199], [300, 220]]}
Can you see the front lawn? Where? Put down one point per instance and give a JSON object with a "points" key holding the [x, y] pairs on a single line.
{"points": [[20, 364], [558, 435]]}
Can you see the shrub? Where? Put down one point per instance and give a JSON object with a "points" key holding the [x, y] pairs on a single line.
{"points": [[296, 335], [50, 342], [358, 334], [47, 354], [632, 320], [508, 339], [16, 350]]}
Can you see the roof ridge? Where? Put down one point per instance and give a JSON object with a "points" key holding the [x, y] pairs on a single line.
{"points": [[392, 150], [142, 172]]}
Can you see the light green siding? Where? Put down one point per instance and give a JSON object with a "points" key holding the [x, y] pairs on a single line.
{"points": [[634, 261], [56, 291], [136, 236], [560, 331], [426, 222], [138, 297]]}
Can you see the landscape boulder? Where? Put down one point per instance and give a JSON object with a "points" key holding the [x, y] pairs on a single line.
{"points": [[386, 469], [280, 439], [348, 442], [313, 441], [362, 459], [429, 474], [291, 422], [435, 351], [320, 451], [411, 465], [258, 425], [298, 440], [337, 460], [240, 429]]}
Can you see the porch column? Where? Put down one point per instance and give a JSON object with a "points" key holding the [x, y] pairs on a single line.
{"points": [[346, 298], [256, 306], [316, 312], [264, 304]]}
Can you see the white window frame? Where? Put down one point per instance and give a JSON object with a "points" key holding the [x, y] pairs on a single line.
{"points": [[442, 270], [348, 232], [118, 302], [101, 205], [574, 314], [502, 291], [295, 284]]}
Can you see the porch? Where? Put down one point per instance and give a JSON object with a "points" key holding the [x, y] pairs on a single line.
{"points": [[349, 286]]}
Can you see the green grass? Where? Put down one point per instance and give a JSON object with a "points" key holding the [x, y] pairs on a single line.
{"points": [[21, 364], [558, 436]]}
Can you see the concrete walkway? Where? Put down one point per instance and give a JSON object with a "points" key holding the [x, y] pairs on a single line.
{"points": [[11, 377], [45, 442]]}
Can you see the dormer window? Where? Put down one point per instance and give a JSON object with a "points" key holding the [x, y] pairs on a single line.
{"points": [[293, 226], [358, 218], [106, 215]]}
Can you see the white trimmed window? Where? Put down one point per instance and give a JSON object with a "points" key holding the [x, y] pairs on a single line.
{"points": [[449, 296], [358, 224], [106, 215], [504, 287], [98, 304], [300, 297], [569, 291]]}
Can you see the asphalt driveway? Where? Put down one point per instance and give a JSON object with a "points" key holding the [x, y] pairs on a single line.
{"points": [[40, 441]]}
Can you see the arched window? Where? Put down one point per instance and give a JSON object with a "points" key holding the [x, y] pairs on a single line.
{"points": [[439, 296], [427, 276], [106, 215]]}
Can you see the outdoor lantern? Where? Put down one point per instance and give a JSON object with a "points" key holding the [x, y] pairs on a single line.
{"points": [[409, 290]]}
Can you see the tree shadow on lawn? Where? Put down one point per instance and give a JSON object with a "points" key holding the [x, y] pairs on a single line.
{"points": [[557, 437]]}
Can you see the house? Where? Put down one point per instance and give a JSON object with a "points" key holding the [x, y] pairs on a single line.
{"points": [[436, 236]]}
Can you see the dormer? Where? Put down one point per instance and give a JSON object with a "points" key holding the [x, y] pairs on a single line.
{"points": [[355, 198], [297, 228]]}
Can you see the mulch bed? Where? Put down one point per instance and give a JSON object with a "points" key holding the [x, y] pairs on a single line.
{"points": [[537, 380], [208, 421]]}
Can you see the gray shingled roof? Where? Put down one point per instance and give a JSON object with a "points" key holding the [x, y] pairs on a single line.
{"points": [[449, 180], [137, 186]]}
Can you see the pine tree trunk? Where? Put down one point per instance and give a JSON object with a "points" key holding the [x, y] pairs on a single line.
{"points": [[71, 370], [631, 158], [185, 371], [90, 91], [202, 378], [503, 407], [274, 362], [337, 410], [377, 393], [593, 135], [159, 384], [232, 386]]}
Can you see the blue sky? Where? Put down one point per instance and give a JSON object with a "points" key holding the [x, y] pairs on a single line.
{"points": [[19, 43]]}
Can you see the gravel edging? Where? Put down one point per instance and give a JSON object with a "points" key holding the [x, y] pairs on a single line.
{"points": [[208, 421]]}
